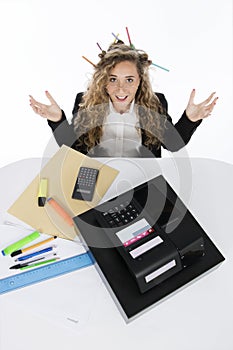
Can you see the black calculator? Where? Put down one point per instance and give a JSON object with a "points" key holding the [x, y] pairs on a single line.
{"points": [[85, 184]]}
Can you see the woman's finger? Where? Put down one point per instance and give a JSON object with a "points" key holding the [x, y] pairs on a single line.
{"points": [[35, 103], [205, 102], [49, 96], [191, 97]]}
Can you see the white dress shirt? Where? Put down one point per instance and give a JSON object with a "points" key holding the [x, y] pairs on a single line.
{"points": [[120, 137]]}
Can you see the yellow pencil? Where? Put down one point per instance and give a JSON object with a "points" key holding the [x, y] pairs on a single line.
{"points": [[116, 38], [17, 252]]}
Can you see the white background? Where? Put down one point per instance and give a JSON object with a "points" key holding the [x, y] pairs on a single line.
{"points": [[42, 42]]}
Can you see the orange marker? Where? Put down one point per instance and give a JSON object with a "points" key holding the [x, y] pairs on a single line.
{"points": [[60, 211]]}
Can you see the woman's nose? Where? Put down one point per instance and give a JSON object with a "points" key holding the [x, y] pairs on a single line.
{"points": [[121, 85]]}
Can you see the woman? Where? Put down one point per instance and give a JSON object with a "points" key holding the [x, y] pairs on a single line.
{"points": [[120, 114]]}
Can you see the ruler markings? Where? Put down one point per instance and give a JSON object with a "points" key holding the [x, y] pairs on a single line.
{"points": [[45, 272]]}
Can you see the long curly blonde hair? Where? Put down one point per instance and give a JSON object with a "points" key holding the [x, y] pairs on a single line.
{"points": [[94, 106]]}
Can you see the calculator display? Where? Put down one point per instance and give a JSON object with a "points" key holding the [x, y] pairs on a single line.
{"points": [[134, 232]]}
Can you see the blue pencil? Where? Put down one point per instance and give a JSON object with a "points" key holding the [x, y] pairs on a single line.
{"points": [[115, 36]]}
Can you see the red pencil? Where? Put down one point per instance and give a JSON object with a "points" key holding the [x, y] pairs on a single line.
{"points": [[130, 43]]}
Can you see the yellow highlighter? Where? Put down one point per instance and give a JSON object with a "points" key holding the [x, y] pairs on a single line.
{"points": [[42, 194]]}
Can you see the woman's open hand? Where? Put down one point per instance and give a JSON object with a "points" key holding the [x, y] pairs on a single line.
{"points": [[51, 112], [202, 110]]}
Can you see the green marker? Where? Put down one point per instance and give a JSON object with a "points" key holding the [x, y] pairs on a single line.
{"points": [[21, 243], [39, 263]]}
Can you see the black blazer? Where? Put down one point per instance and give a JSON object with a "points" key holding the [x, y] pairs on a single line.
{"points": [[175, 136]]}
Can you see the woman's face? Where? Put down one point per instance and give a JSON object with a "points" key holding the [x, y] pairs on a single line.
{"points": [[122, 85]]}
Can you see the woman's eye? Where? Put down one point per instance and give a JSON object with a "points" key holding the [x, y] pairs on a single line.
{"points": [[112, 80], [130, 80]]}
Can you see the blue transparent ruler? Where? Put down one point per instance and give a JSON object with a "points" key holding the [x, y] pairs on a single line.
{"points": [[45, 272]]}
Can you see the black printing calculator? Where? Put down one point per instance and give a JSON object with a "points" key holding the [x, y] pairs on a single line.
{"points": [[85, 184]]}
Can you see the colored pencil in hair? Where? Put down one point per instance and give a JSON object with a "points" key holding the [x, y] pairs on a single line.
{"points": [[89, 61]]}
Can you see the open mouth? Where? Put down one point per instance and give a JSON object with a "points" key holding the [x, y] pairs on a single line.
{"points": [[121, 98]]}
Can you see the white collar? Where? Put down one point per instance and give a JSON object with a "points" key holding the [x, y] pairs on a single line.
{"points": [[112, 109]]}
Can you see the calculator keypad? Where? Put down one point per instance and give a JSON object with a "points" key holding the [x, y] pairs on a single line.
{"points": [[85, 184], [120, 215]]}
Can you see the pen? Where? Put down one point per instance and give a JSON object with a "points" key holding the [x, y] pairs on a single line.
{"points": [[6, 222], [17, 252], [60, 211], [29, 256], [18, 266], [38, 264], [22, 242]]}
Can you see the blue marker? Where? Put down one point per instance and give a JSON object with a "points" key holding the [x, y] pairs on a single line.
{"points": [[29, 256]]}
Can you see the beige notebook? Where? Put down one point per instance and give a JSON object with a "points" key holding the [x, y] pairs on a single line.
{"points": [[61, 173]]}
